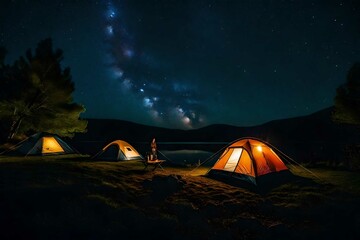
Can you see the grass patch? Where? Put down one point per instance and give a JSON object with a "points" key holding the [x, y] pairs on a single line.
{"points": [[108, 201], [56, 197], [346, 180]]}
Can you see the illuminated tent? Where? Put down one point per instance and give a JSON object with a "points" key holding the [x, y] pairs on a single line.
{"points": [[247, 159], [41, 144], [117, 151]]}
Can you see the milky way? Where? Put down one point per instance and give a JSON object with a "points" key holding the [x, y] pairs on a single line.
{"points": [[185, 64], [166, 100]]}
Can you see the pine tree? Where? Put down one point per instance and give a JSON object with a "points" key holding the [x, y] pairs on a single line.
{"points": [[347, 110], [347, 100], [36, 94]]}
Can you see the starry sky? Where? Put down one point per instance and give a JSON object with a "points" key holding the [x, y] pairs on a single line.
{"points": [[187, 64]]}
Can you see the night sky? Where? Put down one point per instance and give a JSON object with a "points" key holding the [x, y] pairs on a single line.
{"points": [[187, 64]]}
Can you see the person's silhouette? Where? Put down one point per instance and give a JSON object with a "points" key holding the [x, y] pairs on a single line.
{"points": [[153, 150]]}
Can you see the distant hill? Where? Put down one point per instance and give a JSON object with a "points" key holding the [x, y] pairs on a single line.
{"points": [[306, 137]]}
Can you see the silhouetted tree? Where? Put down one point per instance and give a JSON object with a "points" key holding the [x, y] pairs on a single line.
{"points": [[347, 110], [347, 100], [36, 94], [2, 55]]}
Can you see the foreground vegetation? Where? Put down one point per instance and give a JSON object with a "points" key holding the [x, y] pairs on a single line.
{"points": [[66, 198]]}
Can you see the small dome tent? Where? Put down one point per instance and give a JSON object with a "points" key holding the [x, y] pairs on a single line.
{"points": [[247, 159], [41, 144], [118, 150]]}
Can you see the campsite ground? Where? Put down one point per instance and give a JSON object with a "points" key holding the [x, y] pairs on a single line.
{"points": [[74, 197]]}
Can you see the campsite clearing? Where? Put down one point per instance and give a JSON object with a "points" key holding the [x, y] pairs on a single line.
{"points": [[54, 197]]}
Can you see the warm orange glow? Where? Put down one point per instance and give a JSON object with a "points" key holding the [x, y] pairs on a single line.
{"points": [[50, 145], [249, 157], [128, 150]]}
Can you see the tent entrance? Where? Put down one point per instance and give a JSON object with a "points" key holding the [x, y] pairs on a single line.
{"points": [[50, 145], [233, 160]]}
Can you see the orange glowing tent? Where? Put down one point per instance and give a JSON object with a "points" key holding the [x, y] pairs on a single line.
{"points": [[41, 144], [118, 150], [247, 159]]}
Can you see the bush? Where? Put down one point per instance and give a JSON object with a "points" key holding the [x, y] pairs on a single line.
{"points": [[352, 156]]}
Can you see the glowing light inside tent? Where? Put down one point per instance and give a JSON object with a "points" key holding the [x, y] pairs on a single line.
{"points": [[259, 148], [50, 145]]}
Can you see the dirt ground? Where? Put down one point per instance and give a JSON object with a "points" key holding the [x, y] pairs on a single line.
{"points": [[68, 198]]}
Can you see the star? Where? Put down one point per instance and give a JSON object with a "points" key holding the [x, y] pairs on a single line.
{"points": [[132, 69]]}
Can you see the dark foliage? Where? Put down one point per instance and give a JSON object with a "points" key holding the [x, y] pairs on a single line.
{"points": [[347, 100], [36, 94]]}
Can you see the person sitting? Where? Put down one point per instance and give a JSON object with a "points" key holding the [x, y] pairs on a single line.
{"points": [[152, 157]]}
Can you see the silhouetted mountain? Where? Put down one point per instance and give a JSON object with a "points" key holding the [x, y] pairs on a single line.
{"points": [[312, 136]]}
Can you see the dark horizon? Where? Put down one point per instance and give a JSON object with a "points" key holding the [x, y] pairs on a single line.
{"points": [[213, 124]]}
